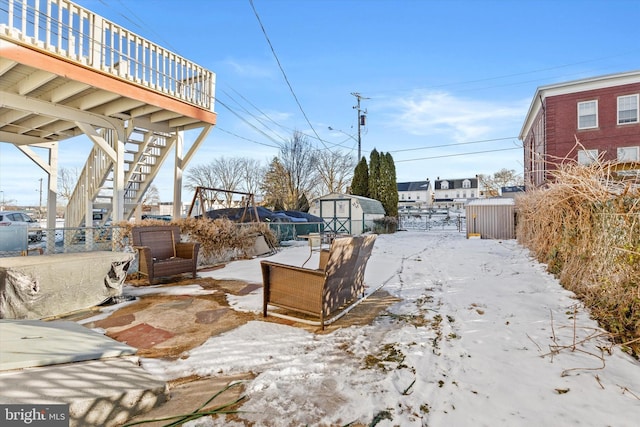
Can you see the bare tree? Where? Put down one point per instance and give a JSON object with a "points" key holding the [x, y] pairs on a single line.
{"points": [[335, 170], [67, 180], [151, 197], [299, 160], [252, 175], [226, 173], [492, 184], [201, 176]]}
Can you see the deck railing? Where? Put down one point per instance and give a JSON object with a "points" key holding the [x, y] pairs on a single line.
{"points": [[65, 29]]}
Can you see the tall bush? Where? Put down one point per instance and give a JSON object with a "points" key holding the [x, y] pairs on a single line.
{"points": [[585, 225]]}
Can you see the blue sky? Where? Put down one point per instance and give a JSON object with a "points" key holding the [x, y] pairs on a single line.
{"points": [[441, 76]]}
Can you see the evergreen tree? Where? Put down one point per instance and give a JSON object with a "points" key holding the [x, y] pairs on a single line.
{"points": [[303, 204], [360, 181], [388, 195], [274, 185], [374, 175]]}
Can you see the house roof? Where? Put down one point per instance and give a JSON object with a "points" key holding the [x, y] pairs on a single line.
{"points": [[414, 186], [573, 86], [455, 183]]}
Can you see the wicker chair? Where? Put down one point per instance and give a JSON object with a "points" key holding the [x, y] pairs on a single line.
{"points": [[161, 254], [322, 292]]}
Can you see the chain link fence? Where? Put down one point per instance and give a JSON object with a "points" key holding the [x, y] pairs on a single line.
{"points": [[432, 221], [65, 240]]}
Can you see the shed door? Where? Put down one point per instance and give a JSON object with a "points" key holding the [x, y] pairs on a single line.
{"points": [[336, 214]]}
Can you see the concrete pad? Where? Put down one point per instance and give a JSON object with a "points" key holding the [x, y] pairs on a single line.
{"points": [[104, 392], [30, 343]]}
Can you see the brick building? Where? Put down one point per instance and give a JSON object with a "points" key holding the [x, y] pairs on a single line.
{"points": [[600, 112]]}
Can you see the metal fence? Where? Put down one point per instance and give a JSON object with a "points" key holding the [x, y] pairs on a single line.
{"points": [[68, 240], [426, 222], [108, 238]]}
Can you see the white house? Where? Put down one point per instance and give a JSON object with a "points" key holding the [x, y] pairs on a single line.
{"points": [[414, 196], [454, 193]]}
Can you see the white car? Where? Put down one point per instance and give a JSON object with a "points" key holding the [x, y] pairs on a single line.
{"points": [[8, 218]]}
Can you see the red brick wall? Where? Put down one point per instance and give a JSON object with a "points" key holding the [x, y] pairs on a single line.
{"points": [[562, 123]]}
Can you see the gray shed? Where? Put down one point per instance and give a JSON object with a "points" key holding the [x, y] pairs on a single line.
{"points": [[491, 218], [346, 213]]}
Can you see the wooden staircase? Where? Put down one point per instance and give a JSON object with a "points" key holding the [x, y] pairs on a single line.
{"points": [[145, 152]]}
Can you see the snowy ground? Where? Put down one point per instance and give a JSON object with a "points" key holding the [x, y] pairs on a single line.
{"points": [[483, 336]]}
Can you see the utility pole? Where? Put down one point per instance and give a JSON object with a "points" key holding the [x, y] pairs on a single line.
{"points": [[361, 121]]}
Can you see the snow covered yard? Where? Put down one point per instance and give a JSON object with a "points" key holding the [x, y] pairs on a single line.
{"points": [[482, 336]]}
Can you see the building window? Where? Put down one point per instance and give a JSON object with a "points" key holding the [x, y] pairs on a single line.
{"points": [[628, 154], [403, 197], [587, 157], [627, 109], [444, 185], [466, 184], [473, 194], [587, 115]]}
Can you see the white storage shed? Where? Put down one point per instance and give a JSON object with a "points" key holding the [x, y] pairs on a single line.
{"points": [[346, 213]]}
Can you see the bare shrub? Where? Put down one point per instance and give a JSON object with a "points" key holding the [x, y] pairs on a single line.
{"points": [[585, 225], [219, 238]]}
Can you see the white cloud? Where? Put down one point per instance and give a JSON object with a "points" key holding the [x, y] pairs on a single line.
{"points": [[461, 119], [248, 69]]}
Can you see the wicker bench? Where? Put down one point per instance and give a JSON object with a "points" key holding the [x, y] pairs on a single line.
{"points": [[338, 281], [161, 254]]}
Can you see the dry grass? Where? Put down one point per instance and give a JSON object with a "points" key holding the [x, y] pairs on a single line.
{"points": [[585, 225], [217, 237]]}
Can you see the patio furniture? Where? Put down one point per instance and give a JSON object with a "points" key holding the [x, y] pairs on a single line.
{"points": [[162, 254], [322, 292], [315, 244]]}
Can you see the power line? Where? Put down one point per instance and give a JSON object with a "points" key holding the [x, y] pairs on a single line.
{"points": [[454, 144], [259, 110], [264, 31], [258, 119], [261, 121], [540, 70], [458, 154], [242, 137], [247, 122]]}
